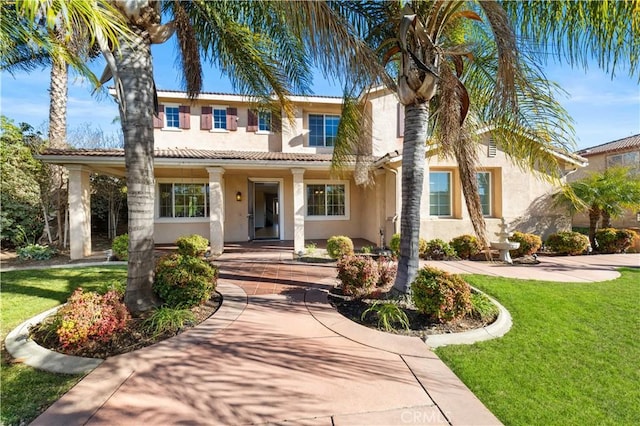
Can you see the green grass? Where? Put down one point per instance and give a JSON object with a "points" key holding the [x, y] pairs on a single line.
{"points": [[571, 358], [26, 392]]}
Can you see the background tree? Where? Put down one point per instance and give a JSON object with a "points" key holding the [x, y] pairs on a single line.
{"points": [[21, 220], [602, 196]]}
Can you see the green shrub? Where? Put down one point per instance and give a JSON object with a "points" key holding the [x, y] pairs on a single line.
{"points": [[90, 316], [338, 246], [570, 243], [119, 286], [466, 246], [440, 295], [389, 314], [120, 247], [529, 244], [394, 244], [192, 245], [358, 275], [438, 249], [483, 308], [36, 252], [611, 240], [184, 281], [168, 320]]}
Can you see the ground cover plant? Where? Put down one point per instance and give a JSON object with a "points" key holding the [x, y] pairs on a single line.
{"points": [[25, 294], [570, 358]]}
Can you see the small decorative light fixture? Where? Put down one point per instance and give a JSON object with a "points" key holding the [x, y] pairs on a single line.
{"points": [[238, 196]]}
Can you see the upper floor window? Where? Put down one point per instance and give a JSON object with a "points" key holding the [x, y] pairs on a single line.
{"points": [[184, 200], [327, 200], [220, 118], [264, 121], [484, 190], [323, 129], [440, 193], [626, 159], [172, 117]]}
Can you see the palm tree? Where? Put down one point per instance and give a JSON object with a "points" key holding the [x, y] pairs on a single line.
{"points": [[31, 38], [260, 45], [602, 195], [464, 57]]}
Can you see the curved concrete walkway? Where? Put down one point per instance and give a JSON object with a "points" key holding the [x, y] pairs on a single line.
{"points": [[270, 356]]}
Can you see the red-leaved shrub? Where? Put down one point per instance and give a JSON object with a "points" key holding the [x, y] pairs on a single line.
{"points": [[90, 316], [359, 274]]}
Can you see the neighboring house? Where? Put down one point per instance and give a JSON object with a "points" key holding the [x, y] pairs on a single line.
{"points": [[230, 173], [622, 152]]}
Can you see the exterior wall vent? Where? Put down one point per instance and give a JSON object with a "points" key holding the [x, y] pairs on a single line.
{"points": [[491, 149]]}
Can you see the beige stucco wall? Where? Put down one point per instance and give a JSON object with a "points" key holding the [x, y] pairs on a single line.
{"points": [[384, 114], [236, 140], [169, 232], [522, 198]]}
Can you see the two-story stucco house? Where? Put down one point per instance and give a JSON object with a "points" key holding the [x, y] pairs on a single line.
{"points": [[623, 152], [230, 173]]}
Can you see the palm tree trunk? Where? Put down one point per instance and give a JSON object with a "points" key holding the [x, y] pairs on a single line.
{"points": [[606, 219], [594, 216], [136, 113], [413, 163], [58, 94]]}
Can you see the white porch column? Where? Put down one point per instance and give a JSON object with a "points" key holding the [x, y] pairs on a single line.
{"points": [[79, 211], [216, 210], [298, 210]]}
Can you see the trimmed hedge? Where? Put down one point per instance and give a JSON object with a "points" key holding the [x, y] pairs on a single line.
{"points": [[120, 247], [570, 243], [184, 281], [466, 246], [339, 246], [529, 244], [611, 240], [440, 295], [192, 245]]}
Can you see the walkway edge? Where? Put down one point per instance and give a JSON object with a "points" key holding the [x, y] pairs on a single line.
{"points": [[25, 350]]}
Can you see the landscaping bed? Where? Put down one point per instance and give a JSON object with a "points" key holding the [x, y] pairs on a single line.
{"points": [[136, 335]]}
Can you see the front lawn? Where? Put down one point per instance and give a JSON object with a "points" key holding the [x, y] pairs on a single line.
{"points": [[571, 358], [26, 392]]}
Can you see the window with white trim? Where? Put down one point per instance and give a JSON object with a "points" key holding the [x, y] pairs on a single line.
{"points": [[484, 190], [440, 193], [264, 121], [219, 118], [184, 200], [172, 117], [323, 129], [326, 200]]}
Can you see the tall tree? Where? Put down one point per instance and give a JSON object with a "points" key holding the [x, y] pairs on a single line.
{"points": [[456, 57], [264, 47]]}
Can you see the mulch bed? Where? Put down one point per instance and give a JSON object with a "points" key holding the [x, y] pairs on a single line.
{"points": [[130, 339], [419, 325]]}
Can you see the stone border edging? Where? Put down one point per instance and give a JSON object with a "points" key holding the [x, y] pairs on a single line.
{"points": [[319, 307], [24, 349], [496, 329], [21, 347]]}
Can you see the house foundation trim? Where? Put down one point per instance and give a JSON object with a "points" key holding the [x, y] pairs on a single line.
{"points": [[216, 210], [79, 211]]}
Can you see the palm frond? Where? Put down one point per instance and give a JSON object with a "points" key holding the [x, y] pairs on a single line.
{"points": [[576, 31]]}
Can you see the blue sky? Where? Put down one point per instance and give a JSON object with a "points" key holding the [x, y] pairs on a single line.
{"points": [[603, 109]]}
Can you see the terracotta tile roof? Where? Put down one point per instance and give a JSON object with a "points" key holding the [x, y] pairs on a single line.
{"points": [[238, 94], [199, 154], [617, 145]]}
